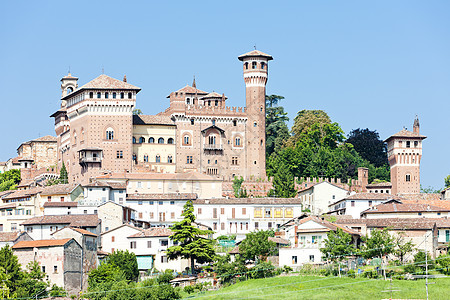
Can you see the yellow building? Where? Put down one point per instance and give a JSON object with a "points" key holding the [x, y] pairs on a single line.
{"points": [[154, 145]]}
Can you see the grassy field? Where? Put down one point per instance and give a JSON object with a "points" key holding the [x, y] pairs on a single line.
{"points": [[315, 287]]}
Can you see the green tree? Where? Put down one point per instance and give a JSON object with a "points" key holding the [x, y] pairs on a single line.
{"points": [[429, 190], [226, 269], [191, 241], [283, 182], [273, 100], [444, 262], [137, 111], [125, 261], [277, 131], [9, 180], [447, 181], [256, 246], [304, 120], [63, 176], [369, 146], [379, 244], [338, 245], [402, 247], [105, 272], [10, 264], [239, 192]]}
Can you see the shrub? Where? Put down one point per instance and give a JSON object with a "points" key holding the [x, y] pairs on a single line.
{"points": [[325, 272], [262, 270], [370, 274], [287, 269], [351, 273], [189, 289]]}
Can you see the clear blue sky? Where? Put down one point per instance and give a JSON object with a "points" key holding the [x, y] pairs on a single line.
{"points": [[367, 64]]}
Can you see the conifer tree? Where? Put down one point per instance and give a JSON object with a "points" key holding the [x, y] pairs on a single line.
{"points": [[284, 184], [63, 176], [192, 241]]}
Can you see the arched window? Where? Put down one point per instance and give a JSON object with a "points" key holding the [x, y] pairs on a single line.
{"points": [[122, 95], [237, 141], [134, 140], [263, 65], [246, 65], [254, 65], [255, 124], [188, 101], [99, 95], [170, 141], [216, 103], [69, 90], [408, 177], [169, 159], [109, 133], [114, 95], [145, 158], [209, 102], [134, 157], [151, 140], [161, 140], [186, 140], [106, 95], [129, 95], [91, 95], [158, 158], [141, 140], [212, 140], [234, 122]]}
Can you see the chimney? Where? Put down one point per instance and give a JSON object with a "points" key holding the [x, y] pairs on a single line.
{"points": [[125, 78], [416, 125]]}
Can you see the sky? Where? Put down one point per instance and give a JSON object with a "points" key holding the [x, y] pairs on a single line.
{"points": [[368, 64]]}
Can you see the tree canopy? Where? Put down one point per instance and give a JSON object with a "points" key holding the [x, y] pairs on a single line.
{"points": [[338, 245], [192, 241], [368, 144], [378, 244], [303, 122], [126, 262], [447, 181], [277, 132], [256, 245], [9, 180]]}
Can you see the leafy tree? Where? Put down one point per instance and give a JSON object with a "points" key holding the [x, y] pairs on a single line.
{"points": [[7, 185], [226, 269], [419, 261], [63, 176], [125, 261], [338, 245], [239, 192], [447, 181], [284, 185], [256, 245], [10, 265], [304, 120], [262, 269], [429, 190], [191, 243], [402, 247], [369, 145], [137, 111], [104, 273], [273, 100], [9, 180], [277, 132], [379, 244], [444, 262]]}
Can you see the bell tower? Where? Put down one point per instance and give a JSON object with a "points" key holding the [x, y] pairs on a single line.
{"points": [[68, 85], [255, 66], [404, 155]]}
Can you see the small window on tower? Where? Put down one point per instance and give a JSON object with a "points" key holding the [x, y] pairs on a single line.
{"points": [[69, 90], [408, 144], [151, 140], [109, 134], [234, 122], [106, 95], [255, 124], [91, 95], [216, 103], [158, 158], [408, 178], [416, 143], [263, 65], [122, 95], [254, 65], [99, 95], [114, 95], [129, 95], [246, 65], [192, 121]]}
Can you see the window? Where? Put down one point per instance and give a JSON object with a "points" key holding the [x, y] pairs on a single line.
{"points": [[161, 140], [222, 211], [270, 225], [254, 65], [256, 225], [263, 65], [186, 140], [129, 95], [199, 211], [311, 258], [110, 134], [447, 235], [268, 213], [214, 213], [212, 139], [49, 198], [164, 243], [294, 260], [237, 141], [43, 269], [189, 159], [244, 211], [99, 95], [140, 215], [106, 95], [141, 140], [170, 141], [278, 213], [169, 159], [29, 229], [246, 225], [416, 143], [246, 65], [132, 245], [192, 121], [288, 213], [234, 122], [114, 95], [134, 140], [352, 203], [119, 154], [122, 95], [258, 213], [255, 124], [91, 95], [234, 161], [113, 239], [158, 158], [145, 158], [1, 227], [134, 158], [370, 202], [140, 202], [233, 212], [222, 226], [408, 178], [408, 144], [163, 259], [214, 226], [160, 203], [149, 244], [172, 215]]}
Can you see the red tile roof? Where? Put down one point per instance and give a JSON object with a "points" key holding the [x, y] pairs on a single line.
{"points": [[47, 138], [153, 232], [257, 201], [105, 82], [40, 243], [168, 196], [9, 236], [61, 204], [212, 95], [255, 53], [112, 185], [399, 223], [406, 134], [160, 176], [59, 189], [23, 193], [440, 203], [329, 225], [379, 184], [151, 120], [393, 207], [191, 90], [422, 196], [372, 196], [83, 231], [70, 220]]}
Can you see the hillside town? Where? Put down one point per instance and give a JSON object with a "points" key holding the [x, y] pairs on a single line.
{"points": [[111, 179]]}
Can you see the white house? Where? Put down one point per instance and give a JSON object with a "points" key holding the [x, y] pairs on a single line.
{"points": [[306, 236], [397, 209], [316, 198], [116, 238], [357, 203]]}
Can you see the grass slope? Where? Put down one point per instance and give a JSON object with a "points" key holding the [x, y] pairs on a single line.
{"points": [[315, 287]]}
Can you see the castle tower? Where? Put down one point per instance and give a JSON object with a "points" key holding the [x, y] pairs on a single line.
{"points": [[255, 66], [68, 85], [404, 155]]}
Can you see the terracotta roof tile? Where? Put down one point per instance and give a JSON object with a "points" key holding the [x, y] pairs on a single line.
{"points": [[329, 225], [59, 189], [257, 201], [440, 203], [70, 220], [403, 208], [83, 231], [158, 176], [153, 232], [212, 95], [23, 193], [41, 243], [406, 134], [47, 138], [373, 196], [379, 184], [105, 82], [399, 223], [279, 240], [168, 196], [112, 185], [9, 205], [9, 236], [61, 204], [255, 53], [151, 120], [120, 226], [191, 90], [422, 196]]}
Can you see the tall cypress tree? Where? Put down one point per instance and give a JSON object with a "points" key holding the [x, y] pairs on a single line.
{"points": [[192, 243], [63, 176], [284, 183]]}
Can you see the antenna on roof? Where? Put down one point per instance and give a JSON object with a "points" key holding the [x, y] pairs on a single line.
{"points": [[254, 46], [69, 69], [193, 83]]}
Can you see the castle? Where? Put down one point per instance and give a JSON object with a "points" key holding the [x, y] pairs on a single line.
{"points": [[97, 132]]}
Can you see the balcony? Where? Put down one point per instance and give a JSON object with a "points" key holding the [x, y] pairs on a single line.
{"points": [[90, 155], [90, 160], [213, 147]]}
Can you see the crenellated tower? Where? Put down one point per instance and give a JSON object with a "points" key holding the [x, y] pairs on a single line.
{"points": [[255, 66]]}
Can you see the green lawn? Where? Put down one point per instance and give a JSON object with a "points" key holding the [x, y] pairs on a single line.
{"points": [[315, 287]]}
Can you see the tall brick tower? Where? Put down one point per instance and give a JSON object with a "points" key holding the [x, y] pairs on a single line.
{"points": [[404, 155], [255, 65]]}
